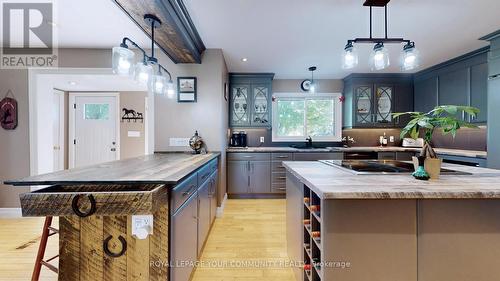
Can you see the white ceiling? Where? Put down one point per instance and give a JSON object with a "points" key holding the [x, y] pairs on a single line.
{"points": [[287, 36], [93, 82]]}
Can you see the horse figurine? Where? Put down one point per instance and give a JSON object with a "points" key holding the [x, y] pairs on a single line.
{"points": [[128, 112]]}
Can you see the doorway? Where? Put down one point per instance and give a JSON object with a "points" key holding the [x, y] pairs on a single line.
{"points": [[58, 127], [94, 128]]}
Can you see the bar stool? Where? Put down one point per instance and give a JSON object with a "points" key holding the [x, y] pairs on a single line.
{"points": [[47, 231]]}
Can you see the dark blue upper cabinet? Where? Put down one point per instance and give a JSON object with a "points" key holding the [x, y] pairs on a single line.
{"points": [[460, 81], [250, 99], [370, 99]]}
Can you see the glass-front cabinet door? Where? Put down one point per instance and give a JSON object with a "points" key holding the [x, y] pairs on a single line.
{"points": [[260, 105], [240, 105], [363, 106], [383, 105]]}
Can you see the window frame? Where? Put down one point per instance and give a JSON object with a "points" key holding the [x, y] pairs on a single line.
{"points": [[337, 116]]}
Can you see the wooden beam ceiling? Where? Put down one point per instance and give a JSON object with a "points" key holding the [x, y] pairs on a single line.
{"points": [[177, 35]]}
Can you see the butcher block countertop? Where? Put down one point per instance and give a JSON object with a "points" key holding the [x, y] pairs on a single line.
{"points": [[158, 168], [336, 183]]}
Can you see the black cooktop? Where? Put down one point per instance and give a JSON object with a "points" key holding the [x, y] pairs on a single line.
{"points": [[381, 167]]}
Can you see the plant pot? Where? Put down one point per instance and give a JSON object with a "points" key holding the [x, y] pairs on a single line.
{"points": [[432, 166]]}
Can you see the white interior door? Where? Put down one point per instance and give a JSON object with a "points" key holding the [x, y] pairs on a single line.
{"points": [[95, 130], [58, 130]]}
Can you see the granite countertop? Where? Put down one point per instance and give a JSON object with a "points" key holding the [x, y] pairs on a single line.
{"points": [[158, 168], [444, 151], [337, 183]]}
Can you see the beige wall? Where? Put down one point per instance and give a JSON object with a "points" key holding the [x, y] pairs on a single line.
{"points": [[293, 85], [14, 144], [132, 146], [208, 115]]}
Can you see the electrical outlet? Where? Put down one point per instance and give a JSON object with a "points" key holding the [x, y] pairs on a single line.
{"points": [[142, 226], [179, 141], [391, 139], [261, 139]]}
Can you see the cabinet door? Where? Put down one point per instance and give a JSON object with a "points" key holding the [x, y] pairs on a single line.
{"points": [[454, 89], [479, 91], [260, 177], [183, 243], [238, 178], [240, 105], [213, 196], [203, 214], [363, 108], [426, 94], [384, 96], [260, 111]]}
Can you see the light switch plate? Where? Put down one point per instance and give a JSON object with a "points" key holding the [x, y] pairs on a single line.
{"points": [[391, 139], [261, 139], [179, 141]]}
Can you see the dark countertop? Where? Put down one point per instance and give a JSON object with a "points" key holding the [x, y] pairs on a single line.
{"points": [[158, 168], [443, 151]]}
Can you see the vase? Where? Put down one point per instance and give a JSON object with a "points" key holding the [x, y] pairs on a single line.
{"points": [[420, 173], [431, 165]]}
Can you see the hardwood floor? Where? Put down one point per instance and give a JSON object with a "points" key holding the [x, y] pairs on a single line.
{"points": [[251, 231], [19, 239]]}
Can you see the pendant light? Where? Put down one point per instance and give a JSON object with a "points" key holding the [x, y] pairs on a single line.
{"points": [[312, 88], [350, 56], [379, 58], [410, 58], [143, 71]]}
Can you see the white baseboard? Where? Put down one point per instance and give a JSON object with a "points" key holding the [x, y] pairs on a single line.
{"points": [[10, 213], [220, 210]]}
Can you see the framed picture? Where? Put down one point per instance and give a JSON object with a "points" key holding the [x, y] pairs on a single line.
{"points": [[186, 89]]}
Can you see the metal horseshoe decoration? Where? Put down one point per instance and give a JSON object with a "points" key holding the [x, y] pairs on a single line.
{"points": [[105, 246], [74, 206]]}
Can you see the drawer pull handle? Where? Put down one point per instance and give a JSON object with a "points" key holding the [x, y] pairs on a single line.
{"points": [[111, 254], [247, 156], [280, 188], [282, 156], [281, 178], [74, 206], [185, 193]]}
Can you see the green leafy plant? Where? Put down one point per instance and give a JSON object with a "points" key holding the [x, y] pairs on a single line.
{"points": [[443, 117]]}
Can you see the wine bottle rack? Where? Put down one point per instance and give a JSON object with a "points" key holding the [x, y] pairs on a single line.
{"points": [[312, 236]]}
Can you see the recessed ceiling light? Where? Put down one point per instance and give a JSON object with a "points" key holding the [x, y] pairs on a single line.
{"points": [[72, 83], [54, 24], [244, 59]]}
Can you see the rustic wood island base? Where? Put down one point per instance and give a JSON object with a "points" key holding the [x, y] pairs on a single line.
{"points": [[97, 206]]}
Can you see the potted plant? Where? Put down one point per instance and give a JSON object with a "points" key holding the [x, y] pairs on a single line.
{"points": [[442, 117]]}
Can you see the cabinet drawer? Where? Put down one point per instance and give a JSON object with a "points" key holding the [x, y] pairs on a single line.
{"points": [[249, 156], [183, 191], [314, 156], [282, 156], [86, 200], [278, 178], [204, 173], [277, 166], [214, 164]]}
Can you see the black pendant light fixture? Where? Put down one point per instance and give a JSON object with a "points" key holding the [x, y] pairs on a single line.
{"points": [[379, 58], [147, 71], [309, 85]]}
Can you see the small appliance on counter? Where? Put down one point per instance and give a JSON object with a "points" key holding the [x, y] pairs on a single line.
{"points": [[409, 142], [238, 139]]}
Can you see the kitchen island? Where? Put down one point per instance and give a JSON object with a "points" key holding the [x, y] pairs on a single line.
{"points": [[128, 219], [392, 227]]}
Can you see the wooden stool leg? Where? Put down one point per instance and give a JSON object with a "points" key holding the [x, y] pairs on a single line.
{"points": [[41, 249]]}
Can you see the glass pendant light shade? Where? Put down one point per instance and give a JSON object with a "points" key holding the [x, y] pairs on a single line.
{"points": [[349, 57], [143, 73], [170, 89], [123, 61], [159, 84], [409, 57], [379, 58]]}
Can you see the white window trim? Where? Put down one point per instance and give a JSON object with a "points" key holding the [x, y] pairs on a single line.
{"points": [[337, 116]]}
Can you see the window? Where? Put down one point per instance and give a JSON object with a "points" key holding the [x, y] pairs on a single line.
{"points": [[97, 111], [299, 115]]}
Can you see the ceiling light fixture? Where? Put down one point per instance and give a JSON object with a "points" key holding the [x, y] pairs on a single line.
{"points": [[244, 59], [123, 63], [379, 59], [72, 83]]}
